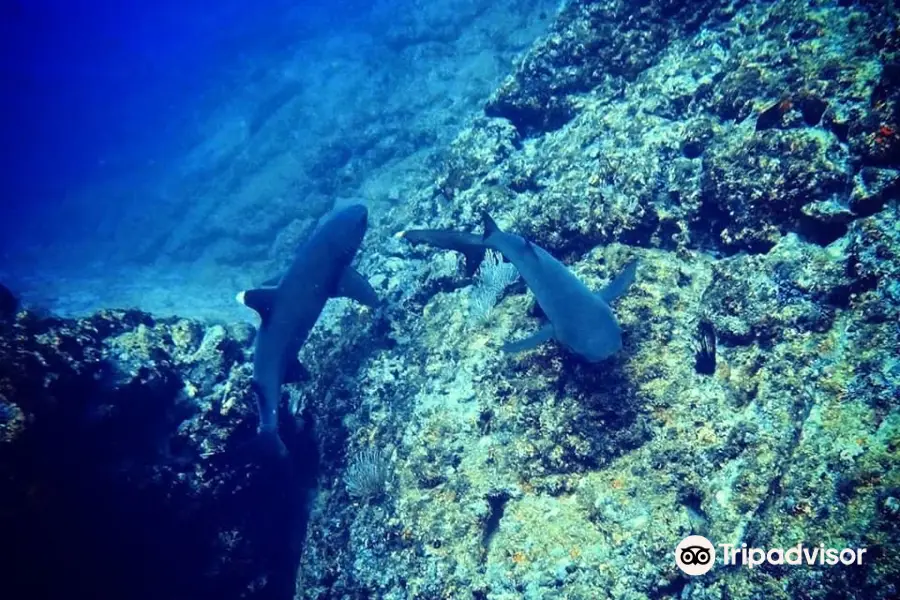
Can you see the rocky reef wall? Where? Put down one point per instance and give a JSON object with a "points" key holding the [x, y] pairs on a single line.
{"points": [[746, 154]]}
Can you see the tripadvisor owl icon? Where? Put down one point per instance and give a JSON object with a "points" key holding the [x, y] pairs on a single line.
{"points": [[695, 555]]}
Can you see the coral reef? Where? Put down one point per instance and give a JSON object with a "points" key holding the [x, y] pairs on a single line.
{"points": [[739, 150]]}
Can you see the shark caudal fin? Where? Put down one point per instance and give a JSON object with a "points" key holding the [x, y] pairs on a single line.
{"points": [[270, 444], [468, 244], [265, 446]]}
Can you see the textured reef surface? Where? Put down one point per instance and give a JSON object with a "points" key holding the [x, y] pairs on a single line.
{"points": [[747, 154]]}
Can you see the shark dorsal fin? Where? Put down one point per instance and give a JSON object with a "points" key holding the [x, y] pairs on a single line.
{"points": [[490, 227], [259, 299], [620, 284], [272, 282]]}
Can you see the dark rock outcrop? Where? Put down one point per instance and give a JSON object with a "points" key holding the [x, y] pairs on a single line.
{"points": [[125, 468]]}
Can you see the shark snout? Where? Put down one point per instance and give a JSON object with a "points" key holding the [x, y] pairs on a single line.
{"points": [[352, 222], [602, 346], [343, 232], [356, 221], [603, 351], [358, 215]]}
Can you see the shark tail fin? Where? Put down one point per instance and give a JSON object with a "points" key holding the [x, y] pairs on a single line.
{"points": [[270, 443], [490, 227], [470, 245], [265, 446]]}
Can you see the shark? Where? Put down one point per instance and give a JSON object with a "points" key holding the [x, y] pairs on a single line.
{"points": [[290, 305], [578, 318], [470, 245]]}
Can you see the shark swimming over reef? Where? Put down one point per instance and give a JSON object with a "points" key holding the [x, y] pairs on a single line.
{"points": [[289, 309], [471, 245], [579, 319]]}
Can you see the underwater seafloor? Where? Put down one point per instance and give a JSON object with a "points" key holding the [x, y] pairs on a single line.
{"points": [[746, 153]]}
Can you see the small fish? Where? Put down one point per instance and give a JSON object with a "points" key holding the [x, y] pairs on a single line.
{"points": [[705, 351]]}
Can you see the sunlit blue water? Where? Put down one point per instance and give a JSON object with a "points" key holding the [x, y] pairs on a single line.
{"points": [[95, 89], [145, 143]]}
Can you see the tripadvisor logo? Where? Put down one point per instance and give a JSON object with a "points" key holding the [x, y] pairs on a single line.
{"points": [[696, 555]]}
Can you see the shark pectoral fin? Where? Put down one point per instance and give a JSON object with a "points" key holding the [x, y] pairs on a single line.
{"points": [[474, 256], [295, 372], [259, 299], [356, 287], [537, 338], [620, 284]]}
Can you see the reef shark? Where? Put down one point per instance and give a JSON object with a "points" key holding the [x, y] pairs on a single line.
{"points": [[289, 309], [579, 319], [471, 245]]}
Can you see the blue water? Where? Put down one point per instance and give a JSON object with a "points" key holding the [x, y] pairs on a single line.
{"points": [[146, 144], [99, 87]]}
